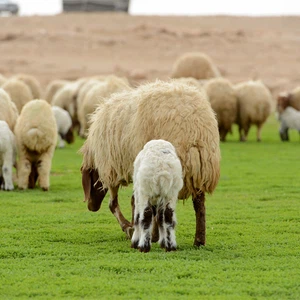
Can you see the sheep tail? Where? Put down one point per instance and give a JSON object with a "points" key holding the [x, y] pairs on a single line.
{"points": [[34, 134], [165, 180]]}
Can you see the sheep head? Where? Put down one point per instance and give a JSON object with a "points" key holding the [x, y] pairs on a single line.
{"points": [[283, 101]]}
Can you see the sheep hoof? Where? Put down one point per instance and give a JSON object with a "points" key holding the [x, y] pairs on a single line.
{"points": [[199, 243], [135, 244], [45, 189], [172, 248], [145, 248]]}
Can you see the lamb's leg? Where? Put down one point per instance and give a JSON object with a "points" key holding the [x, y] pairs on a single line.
{"points": [[258, 133], [115, 209], [23, 171], [146, 215], [7, 171], [199, 207], [136, 223], [170, 222]]}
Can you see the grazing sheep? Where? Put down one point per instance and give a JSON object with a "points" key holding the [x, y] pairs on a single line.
{"points": [[194, 64], [292, 98], [224, 102], [7, 156], [18, 91], [66, 98], [288, 116], [53, 87], [157, 180], [122, 125], [8, 110], [64, 126], [254, 107], [36, 135], [96, 95], [32, 83]]}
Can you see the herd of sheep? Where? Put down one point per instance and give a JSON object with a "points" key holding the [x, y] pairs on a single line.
{"points": [[162, 135]]}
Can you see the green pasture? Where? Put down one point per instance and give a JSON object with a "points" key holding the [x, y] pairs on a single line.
{"points": [[52, 247]]}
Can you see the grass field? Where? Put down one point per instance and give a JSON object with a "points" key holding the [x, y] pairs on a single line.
{"points": [[52, 247]]}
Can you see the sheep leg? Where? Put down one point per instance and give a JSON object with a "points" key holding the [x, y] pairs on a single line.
{"points": [[199, 207], [23, 171], [168, 240], [115, 209], [258, 133], [145, 225], [155, 227], [43, 170], [136, 223], [7, 172]]}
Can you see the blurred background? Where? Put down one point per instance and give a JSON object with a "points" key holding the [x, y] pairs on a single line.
{"points": [[161, 7]]}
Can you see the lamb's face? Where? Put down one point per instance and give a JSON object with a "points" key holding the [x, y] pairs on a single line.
{"points": [[283, 101], [69, 136]]}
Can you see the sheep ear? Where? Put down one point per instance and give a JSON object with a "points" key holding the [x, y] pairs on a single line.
{"points": [[93, 189]]}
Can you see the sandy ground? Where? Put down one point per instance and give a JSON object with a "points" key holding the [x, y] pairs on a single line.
{"points": [[144, 48]]}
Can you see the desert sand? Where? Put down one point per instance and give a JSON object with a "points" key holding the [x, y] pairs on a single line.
{"points": [[73, 45]]}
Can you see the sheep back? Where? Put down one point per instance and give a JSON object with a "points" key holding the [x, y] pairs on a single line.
{"points": [[36, 127], [8, 110], [52, 88], [194, 64], [173, 111], [19, 92], [33, 84]]}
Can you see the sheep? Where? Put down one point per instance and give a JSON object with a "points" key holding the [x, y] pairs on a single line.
{"points": [[7, 156], [157, 180], [19, 92], [32, 83], [254, 107], [53, 87], [96, 95], [36, 136], [8, 110], [122, 125], [194, 64], [288, 116], [66, 98], [64, 126], [224, 102]]}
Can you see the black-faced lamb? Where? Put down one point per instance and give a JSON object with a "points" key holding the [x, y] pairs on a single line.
{"points": [[122, 125], [36, 135], [288, 116], [7, 156], [157, 180]]}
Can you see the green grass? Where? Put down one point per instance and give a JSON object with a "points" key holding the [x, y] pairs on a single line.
{"points": [[52, 247]]}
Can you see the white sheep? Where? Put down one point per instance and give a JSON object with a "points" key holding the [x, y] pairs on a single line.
{"points": [[254, 107], [7, 156], [18, 91], [122, 125], [157, 180], [53, 87], [194, 64], [32, 82], [64, 126], [36, 135], [8, 110]]}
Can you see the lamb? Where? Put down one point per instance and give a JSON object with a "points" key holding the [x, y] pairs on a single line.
{"points": [[32, 83], [7, 156], [254, 107], [288, 116], [194, 64], [122, 125], [18, 91], [64, 126], [224, 102], [292, 98], [53, 87], [157, 180], [36, 135], [8, 110], [96, 95]]}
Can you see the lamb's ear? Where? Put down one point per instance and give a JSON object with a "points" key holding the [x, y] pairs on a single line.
{"points": [[93, 189]]}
